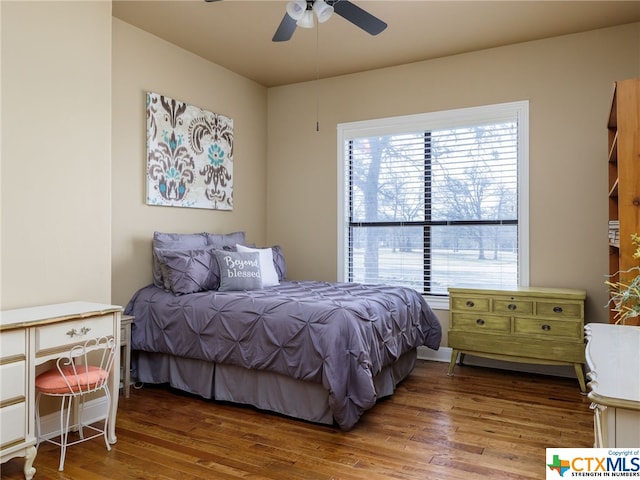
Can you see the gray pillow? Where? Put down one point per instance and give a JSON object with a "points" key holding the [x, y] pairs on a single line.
{"points": [[225, 240], [173, 241], [279, 262], [189, 241], [239, 270], [189, 271]]}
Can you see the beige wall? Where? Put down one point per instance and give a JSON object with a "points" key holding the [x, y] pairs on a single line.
{"points": [[73, 120], [568, 82], [56, 153], [141, 63]]}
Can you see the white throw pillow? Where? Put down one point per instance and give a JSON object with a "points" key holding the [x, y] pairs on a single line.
{"points": [[267, 268]]}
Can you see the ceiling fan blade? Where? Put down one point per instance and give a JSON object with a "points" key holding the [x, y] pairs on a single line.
{"points": [[209, 1], [285, 29], [359, 17]]}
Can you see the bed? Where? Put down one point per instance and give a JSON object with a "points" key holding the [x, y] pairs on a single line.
{"points": [[317, 351]]}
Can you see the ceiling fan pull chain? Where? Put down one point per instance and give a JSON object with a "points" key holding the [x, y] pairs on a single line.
{"points": [[317, 78]]}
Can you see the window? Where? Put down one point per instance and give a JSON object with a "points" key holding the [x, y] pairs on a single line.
{"points": [[435, 200]]}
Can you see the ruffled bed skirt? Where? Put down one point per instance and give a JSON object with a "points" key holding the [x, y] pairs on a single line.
{"points": [[261, 389]]}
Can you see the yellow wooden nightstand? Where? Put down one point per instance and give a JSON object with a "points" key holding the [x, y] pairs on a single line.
{"points": [[526, 324]]}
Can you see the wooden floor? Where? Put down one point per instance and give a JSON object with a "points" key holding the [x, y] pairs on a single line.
{"points": [[480, 424]]}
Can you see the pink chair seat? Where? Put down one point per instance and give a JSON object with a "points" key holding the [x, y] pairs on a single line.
{"points": [[70, 381]]}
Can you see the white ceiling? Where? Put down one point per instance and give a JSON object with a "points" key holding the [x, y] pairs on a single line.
{"points": [[236, 34]]}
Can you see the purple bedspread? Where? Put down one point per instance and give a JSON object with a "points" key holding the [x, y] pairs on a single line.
{"points": [[337, 334]]}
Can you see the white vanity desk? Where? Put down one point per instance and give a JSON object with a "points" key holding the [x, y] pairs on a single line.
{"points": [[613, 356], [31, 337]]}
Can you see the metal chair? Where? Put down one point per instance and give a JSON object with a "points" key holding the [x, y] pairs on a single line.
{"points": [[84, 370]]}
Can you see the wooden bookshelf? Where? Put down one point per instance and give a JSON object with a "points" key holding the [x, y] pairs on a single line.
{"points": [[624, 176]]}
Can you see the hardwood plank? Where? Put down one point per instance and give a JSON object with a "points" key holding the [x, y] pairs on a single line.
{"points": [[481, 423]]}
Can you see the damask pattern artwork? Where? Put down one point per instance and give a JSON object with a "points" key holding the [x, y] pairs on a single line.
{"points": [[189, 155]]}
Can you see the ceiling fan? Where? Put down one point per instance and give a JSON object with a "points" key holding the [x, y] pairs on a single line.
{"points": [[300, 13]]}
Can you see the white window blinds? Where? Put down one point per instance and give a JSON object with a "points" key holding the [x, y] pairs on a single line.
{"points": [[436, 206]]}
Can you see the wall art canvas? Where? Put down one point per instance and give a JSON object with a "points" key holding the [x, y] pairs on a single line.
{"points": [[189, 155]]}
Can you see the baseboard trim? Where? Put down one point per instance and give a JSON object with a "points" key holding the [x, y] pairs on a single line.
{"points": [[441, 355], [94, 411]]}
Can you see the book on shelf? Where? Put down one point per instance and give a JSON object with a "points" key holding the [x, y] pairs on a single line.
{"points": [[614, 232]]}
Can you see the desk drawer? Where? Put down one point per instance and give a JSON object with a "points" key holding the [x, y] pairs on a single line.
{"points": [[12, 419], [480, 323], [62, 334], [12, 343], [14, 384], [548, 328]]}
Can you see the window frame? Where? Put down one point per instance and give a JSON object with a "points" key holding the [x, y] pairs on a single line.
{"points": [[431, 121]]}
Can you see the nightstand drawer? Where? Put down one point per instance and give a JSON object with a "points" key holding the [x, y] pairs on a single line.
{"points": [[60, 335], [559, 309], [512, 306], [547, 327], [479, 323], [476, 304]]}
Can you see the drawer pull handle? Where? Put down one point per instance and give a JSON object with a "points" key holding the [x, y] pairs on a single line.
{"points": [[512, 306], [83, 331], [480, 321], [546, 327], [557, 309], [470, 304]]}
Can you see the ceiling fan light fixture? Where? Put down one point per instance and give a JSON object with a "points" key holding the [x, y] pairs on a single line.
{"points": [[300, 13], [306, 21], [296, 9], [323, 10]]}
